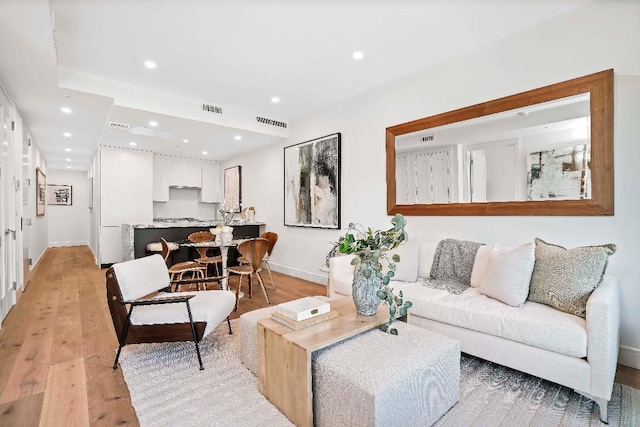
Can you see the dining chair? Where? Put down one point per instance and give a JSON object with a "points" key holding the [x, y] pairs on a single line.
{"points": [[253, 250], [156, 248], [272, 238], [178, 270], [206, 236]]}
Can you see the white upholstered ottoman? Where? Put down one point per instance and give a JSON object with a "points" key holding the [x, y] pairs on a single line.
{"points": [[249, 337], [378, 379]]}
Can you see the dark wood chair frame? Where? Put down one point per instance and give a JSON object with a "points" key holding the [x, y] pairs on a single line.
{"points": [[129, 333]]}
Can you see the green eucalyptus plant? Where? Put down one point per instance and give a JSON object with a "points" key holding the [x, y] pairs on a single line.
{"points": [[370, 247]]}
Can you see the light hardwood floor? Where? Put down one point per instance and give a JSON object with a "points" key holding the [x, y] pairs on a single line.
{"points": [[57, 345]]}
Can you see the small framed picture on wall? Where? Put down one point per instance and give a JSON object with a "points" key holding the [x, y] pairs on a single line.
{"points": [[41, 192], [59, 194]]}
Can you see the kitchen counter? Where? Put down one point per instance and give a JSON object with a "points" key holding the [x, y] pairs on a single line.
{"points": [[135, 237], [198, 223]]}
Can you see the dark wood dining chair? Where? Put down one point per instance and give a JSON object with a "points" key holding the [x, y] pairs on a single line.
{"points": [[206, 236], [253, 252], [179, 270], [272, 238]]}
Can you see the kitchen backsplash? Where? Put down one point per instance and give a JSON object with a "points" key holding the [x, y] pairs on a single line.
{"points": [[183, 202]]}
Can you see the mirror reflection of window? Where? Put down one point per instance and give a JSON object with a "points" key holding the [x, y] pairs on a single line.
{"points": [[538, 153], [424, 176]]}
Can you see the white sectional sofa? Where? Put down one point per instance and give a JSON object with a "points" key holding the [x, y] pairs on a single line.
{"points": [[580, 353]]}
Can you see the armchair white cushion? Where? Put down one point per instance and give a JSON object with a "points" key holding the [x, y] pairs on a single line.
{"points": [[143, 276]]}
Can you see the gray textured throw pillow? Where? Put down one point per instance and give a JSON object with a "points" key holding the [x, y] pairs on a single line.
{"points": [[565, 278]]}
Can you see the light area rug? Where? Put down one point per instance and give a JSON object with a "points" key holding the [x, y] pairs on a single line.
{"points": [[168, 389]]}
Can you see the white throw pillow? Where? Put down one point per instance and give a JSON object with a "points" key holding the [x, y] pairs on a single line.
{"points": [[480, 264], [407, 268], [425, 257], [508, 274]]}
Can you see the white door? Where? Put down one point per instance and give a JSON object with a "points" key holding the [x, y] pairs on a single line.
{"points": [[9, 212], [478, 174]]}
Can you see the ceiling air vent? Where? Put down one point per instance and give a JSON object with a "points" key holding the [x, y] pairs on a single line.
{"points": [[121, 126], [428, 138], [154, 133], [271, 122], [211, 108]]}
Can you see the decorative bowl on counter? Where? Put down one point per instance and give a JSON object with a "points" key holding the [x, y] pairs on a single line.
{"points": [[227, 233], [216, 232]]}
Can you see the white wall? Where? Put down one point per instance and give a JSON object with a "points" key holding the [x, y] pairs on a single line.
{"points": [[39, 232], [598, 36], [94, 212], [69, 225]]}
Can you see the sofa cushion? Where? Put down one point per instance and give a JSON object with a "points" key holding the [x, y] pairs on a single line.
{"points": [[426, 254], [533, 324], [407, 268], [565, 278], [480, 264], [508, 274]]}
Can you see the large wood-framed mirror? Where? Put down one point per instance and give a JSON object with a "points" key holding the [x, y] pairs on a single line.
{"points": [[547, 151]]}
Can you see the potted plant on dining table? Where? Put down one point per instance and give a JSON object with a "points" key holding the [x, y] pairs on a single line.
{"points": [[374, 269]]}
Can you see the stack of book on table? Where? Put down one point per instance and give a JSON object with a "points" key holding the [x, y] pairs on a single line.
{"points": [[304, 312]]}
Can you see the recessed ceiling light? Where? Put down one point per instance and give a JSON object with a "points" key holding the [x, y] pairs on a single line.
{"points": [[275, 99], [68, 150], [205, 153], [185, 141], [66, 110], [358, 55], [152, 123], [67, 135], [68, 160], [133, 144], [150, 64], [237, 137]]}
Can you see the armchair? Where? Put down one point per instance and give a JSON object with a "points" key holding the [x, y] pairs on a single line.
{"points": [[156, 316]]}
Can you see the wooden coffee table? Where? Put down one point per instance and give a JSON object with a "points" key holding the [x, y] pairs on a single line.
{"points": [[284, 356]]}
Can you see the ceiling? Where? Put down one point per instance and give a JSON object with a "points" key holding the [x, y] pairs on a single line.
{"points": [[235, 56]]}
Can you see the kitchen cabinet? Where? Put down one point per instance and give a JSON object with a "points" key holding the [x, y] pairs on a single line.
{"points": [[210, 182], [185, 173], [160, 179], [126, 191], [126, 195]]}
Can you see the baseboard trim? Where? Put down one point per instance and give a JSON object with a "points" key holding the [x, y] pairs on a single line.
{"points": [[629, 356], [300, 274], [37, 263], [65, 244]]}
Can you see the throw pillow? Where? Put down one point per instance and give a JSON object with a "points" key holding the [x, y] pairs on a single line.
{"points": [[480, 264], [565, 278], [508, 274], [407, 268]]}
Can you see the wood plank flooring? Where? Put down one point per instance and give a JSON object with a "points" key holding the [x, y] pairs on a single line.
{"points": [[57, 345]]}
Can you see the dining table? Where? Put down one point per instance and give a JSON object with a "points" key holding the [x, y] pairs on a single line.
{"points": [[224, 246]]}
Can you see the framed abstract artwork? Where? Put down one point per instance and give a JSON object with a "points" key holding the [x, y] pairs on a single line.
{"points": [[312, 183], [59, 194], [41, 192], [233, 189]]}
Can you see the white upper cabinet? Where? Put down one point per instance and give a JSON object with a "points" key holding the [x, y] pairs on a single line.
{"points": [[184, 173], [193, 173], [160, 179], [210, 183]]}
